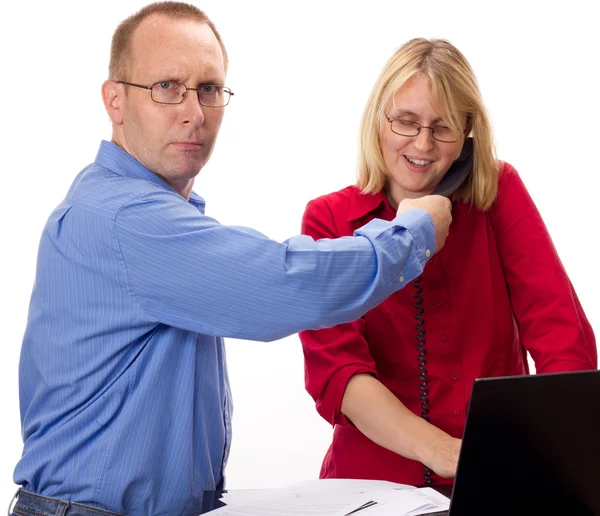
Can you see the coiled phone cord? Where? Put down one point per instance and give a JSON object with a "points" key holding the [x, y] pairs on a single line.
{"points": [[423, 387]]}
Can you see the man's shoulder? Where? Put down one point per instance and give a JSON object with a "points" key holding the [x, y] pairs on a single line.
{"points": [[106, 192]]}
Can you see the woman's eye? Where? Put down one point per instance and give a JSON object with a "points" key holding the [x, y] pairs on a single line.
{"points": [[406, 123]]}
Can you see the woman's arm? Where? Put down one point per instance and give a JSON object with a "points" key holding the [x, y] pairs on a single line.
{"points": [[342, 378], [552, 324], [384, 419]]}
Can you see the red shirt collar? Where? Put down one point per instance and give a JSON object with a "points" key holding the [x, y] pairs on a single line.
{"points": [[363, 204]]}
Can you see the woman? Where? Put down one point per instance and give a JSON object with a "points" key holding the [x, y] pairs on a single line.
{"points": [[496, 291]]}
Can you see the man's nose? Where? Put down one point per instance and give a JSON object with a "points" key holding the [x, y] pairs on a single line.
{"points": [[193, 110]]}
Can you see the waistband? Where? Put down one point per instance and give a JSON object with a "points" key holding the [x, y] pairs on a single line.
{"points": [[29, 504]]}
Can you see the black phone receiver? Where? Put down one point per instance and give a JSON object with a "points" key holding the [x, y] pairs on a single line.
{"points": [[458, 172]]}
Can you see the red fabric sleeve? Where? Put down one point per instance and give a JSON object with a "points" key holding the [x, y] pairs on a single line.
{"points": [[333, 355], [552, 324]]}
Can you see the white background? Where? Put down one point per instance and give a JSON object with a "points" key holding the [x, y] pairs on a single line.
{"points": [[301, 73]]}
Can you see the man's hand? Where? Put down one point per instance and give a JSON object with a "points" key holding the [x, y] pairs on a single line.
{"points": [[440, 209], [442, 455]]}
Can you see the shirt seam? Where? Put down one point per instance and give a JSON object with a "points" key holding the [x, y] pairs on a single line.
{"points": [[124, 261]]}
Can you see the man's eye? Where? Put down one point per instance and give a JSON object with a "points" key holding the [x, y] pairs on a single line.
{"points": [[165, 85], [208, 88]]}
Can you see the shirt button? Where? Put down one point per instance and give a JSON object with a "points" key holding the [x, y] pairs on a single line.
{"points": [[427, 253], [456, 412], [439, 302], [454, 377], [401, 279], [444, 338]]}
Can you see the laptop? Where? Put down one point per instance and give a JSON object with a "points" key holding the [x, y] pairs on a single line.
{"points": [[531, 446]]}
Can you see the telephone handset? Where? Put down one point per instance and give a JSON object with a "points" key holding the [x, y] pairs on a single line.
{"points": [[458, 172], [454, 177]]}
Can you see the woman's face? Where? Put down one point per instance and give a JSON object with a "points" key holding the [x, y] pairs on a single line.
{"points": [[416, 164]]}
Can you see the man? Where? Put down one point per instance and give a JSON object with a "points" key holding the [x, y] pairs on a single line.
{"points": [[125, 400]]}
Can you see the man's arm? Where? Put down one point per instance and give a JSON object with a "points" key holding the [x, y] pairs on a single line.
{"points": [[189, 271]]}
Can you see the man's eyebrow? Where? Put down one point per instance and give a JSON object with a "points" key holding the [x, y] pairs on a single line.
{"points": [[176, 75], [214, 81], [168, 75]]}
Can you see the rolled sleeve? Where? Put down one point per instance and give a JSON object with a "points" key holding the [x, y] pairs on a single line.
{"points": [[332, 357]]}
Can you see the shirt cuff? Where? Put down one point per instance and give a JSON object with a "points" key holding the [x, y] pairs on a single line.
{"points": [[420, 226], [407, 241], [330, 405]]}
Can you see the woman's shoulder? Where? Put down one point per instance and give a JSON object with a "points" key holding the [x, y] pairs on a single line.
{"points": [[343, 196], [349, 204], [337, 203], [507, 174], [513, 199], [511, 187]]}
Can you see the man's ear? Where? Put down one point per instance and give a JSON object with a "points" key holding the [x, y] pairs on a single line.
{"points": [[113, 96]]}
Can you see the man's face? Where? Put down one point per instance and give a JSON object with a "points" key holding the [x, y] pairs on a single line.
{"points": [[172, 140]]}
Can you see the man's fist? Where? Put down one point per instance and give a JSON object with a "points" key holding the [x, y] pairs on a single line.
{"points": [[440, 209]]}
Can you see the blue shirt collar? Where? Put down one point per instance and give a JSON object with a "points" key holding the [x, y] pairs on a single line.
{"points": [[115, 159]]}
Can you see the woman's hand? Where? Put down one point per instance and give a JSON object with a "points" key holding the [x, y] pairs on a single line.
{"points": [[441, 455], [384, 419]]}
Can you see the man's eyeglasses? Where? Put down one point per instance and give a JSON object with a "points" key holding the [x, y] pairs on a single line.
{"points": [[171, 92], [441, 133]]}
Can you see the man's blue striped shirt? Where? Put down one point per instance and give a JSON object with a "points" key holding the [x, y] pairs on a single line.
{"points": [[125, 400]]}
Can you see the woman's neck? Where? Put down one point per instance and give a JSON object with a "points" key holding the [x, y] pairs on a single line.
{"points": [[395, 197]]}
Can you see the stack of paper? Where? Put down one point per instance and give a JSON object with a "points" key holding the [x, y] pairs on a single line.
{"points": [[409, 502], [334, 497]]}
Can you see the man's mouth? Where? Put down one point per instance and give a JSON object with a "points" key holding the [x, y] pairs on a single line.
{"points": [[188, 145]]}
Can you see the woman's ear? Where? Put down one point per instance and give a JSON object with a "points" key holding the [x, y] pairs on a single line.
{"points": [[469, 125]]}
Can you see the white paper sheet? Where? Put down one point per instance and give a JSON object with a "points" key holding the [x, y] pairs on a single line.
{"points": [[406, 503], [333, 497], [330, 504]]}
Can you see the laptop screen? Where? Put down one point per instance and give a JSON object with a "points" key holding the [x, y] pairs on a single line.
{"points": [[531, 446]]}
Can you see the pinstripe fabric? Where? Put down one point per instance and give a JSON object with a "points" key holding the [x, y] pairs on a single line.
{"points": [[125, 401]]}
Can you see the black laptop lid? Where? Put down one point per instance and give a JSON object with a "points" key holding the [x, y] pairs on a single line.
{"points": [[531, 446]]}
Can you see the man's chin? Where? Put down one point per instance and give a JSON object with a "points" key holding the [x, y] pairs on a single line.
{"points": [[187, 168]]}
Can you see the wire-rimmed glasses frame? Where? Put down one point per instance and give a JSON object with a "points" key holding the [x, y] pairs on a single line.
{"points": [[160, 95], [412, 129]]}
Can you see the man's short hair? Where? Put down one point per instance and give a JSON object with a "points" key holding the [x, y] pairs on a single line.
{"points": [[119, 67]]}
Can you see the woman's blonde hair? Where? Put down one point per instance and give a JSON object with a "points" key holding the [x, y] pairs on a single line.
{"points": [[455, 95]]}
